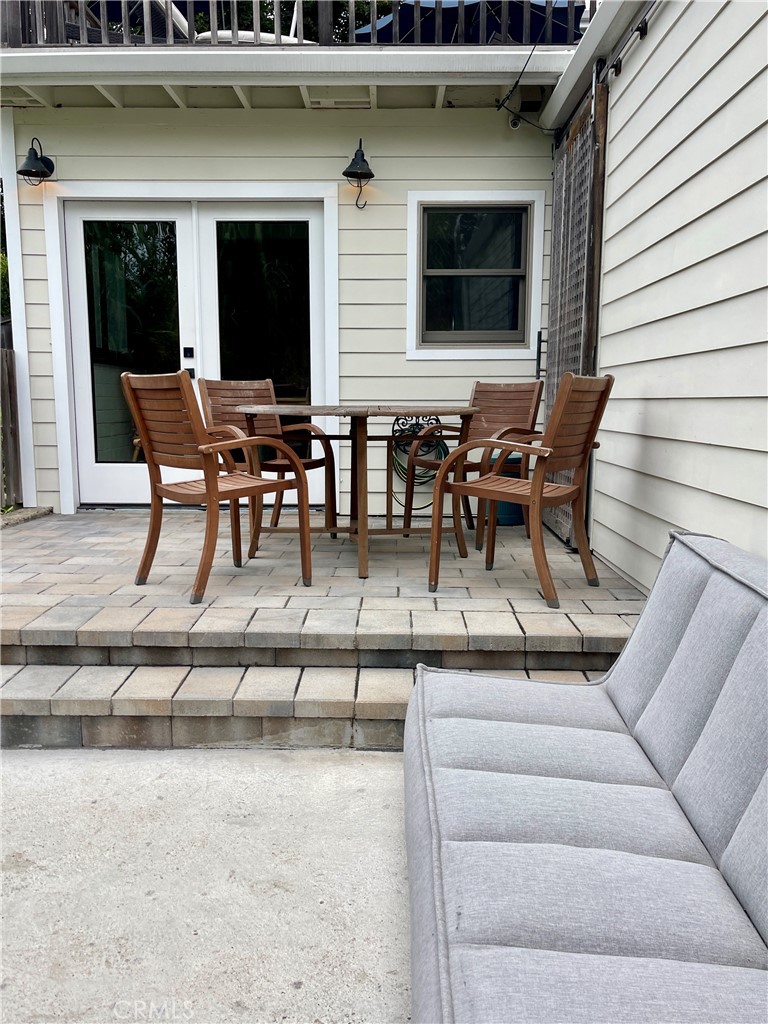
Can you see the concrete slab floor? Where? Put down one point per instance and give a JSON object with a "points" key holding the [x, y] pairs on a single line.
{"points": [[204, 886]]}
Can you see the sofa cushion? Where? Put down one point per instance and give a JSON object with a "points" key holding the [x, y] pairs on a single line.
{"points": [[722, 773], [505, 985], [675, 615], [657, 635], [745, 861], [475, 696], [579, 900], [496, 807], [678, 709], [548, 750]]}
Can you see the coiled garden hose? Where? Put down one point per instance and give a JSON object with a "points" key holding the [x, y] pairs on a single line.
{"points": [[434, 448]]}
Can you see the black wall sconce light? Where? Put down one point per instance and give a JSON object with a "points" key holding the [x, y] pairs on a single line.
{"points": [[359, 174], [36, 168]]}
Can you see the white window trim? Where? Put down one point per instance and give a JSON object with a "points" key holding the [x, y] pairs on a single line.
{"points": [[536, 199], [177, 191]]}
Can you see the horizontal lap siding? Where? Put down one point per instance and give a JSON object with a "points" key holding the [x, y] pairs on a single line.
{"points": [[683, 303], [455, 150], [35, 271]]}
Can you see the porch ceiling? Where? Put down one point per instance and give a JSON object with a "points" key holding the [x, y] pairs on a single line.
{"points": [[276, 78]]}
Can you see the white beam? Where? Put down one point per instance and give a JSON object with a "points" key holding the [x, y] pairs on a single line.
{"points": [[439, 97], [197, 65], [41, 93], [373, 93], [305, 97], [178, 94], [242, 96], [114, 93]]}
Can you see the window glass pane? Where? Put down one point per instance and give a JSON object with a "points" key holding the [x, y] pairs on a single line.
{"points": [[263, 269], [472, 304], [133, 319], [482, 238]]}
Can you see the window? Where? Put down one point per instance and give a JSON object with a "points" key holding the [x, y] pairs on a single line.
{"points": [[475, 269], [474, 261]]}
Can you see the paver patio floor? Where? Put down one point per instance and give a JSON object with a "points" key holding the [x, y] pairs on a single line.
{"points": [[89, 560], [215, 886]]}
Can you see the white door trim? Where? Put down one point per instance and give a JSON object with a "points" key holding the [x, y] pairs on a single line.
{"points": [[57, 194]]}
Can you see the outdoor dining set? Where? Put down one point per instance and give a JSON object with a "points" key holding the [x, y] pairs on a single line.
{"points": [[237, 437]]}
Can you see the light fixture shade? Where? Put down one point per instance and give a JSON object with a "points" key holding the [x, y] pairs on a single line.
{"points": [[36, 168], [359, 173]]}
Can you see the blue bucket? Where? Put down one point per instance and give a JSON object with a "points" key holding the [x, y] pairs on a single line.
{"points": [[510, 513]]}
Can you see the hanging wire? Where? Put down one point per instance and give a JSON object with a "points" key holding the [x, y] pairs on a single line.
{"points": [[502, 104]]}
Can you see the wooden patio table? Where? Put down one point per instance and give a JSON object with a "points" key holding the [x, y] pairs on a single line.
{"points": [[359, 415]]}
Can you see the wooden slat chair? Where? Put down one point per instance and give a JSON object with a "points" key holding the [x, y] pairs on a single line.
{"points": [[172, 433], [505, 410], [567, 441], [220, 399]]}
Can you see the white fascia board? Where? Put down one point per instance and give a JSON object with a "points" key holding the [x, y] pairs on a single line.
{"points": [[267, 66], [612, 19]]}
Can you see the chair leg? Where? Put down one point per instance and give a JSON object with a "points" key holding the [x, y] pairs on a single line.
{"points": [[278, 506], [305, 541], [330, 498], [490, 542], [209, 549], [468, 513], [458, 527], [410, 483], [237, 548], [582, 543], [255, 512], [527, 521], [153, 535], [482, 512], [436, 540], [540, 558]]}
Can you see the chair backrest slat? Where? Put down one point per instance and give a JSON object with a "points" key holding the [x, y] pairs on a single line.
{"points": [[574, 421], [220, 399], [504, 405], [167, 418]]}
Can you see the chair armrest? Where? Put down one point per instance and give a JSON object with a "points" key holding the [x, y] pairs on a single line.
{"points": [[311, 428], [315, 434], [425, 434], [458, 455], [525, 435], [226, 430], [253, 442]]}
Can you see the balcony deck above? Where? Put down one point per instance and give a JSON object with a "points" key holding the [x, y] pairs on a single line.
{"points": [[412, 53]]}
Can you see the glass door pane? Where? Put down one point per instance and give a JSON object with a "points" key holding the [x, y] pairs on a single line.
{"points": [[131, 285], [264, 303], [133, 320]]}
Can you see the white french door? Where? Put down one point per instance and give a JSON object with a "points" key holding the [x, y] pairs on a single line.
{"points": [[226, 290]]}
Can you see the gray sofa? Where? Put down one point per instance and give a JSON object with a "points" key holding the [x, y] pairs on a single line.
{"points": [[596, 854]]}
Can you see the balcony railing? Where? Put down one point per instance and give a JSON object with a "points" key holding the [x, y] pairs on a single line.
{"points": [[300, 23]]}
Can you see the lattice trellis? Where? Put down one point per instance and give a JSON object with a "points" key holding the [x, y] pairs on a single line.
{"points": [[574, 160]]}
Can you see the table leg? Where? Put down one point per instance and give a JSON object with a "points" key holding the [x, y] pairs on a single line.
{"points": [[360, 462]]}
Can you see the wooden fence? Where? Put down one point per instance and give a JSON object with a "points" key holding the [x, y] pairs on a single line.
{"points": [[10, 463]]}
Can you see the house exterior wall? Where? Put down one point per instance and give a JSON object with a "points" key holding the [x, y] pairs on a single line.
{"points": [[450, 150], [683, 317]]}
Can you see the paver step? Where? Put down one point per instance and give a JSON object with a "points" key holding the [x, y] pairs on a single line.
{"points": [[181, 706]]}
